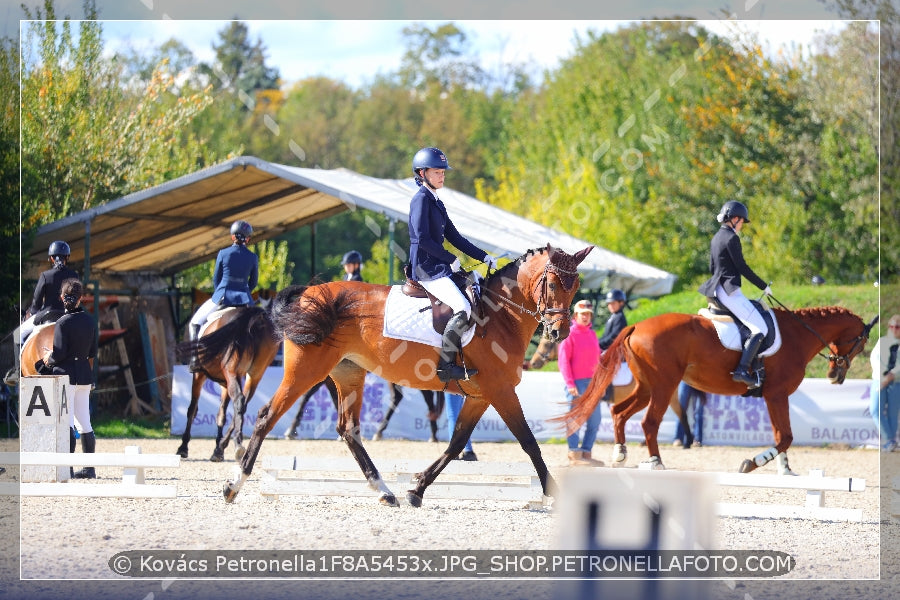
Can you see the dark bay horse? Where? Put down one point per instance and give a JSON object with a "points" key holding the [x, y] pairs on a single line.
{"points": [[434, 409], [663, 350], [335, 329], [237, 346]]}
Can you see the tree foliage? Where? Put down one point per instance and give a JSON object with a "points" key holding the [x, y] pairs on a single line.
{"points": [[633, 142]]}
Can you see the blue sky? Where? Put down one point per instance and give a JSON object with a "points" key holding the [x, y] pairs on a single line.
{"points": [[327, 42], [355, 51]]}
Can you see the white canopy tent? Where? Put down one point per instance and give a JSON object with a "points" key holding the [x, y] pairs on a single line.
{"points": [[179, 223]]}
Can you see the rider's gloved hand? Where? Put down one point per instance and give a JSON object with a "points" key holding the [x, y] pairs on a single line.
{"points": [[455, 265], [491, 261]]}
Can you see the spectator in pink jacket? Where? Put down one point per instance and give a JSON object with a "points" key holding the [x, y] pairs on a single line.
{"points": [[578, 357]]}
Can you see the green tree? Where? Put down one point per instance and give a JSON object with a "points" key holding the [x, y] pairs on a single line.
{"points": [[9, 183], [85, 138]]}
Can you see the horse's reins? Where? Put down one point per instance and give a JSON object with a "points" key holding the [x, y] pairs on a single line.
{"points": [[840, 360], [538, 314]]}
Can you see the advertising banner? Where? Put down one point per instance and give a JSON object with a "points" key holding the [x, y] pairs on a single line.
{"points": [[821, 413]]}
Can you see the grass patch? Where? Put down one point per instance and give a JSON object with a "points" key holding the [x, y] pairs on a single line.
{"points": [[141, 427]]}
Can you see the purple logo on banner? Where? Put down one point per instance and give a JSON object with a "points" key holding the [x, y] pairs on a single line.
{"points": [[736, 420]]}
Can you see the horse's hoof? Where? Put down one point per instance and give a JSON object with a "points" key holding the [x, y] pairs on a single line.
{"points": [[747, 466], [654, 463], [620, 453], [239, 452], [217, 457], [433, 439], [230, 492], [183, 453], [414, 499], [389, 500], [376, 437]]}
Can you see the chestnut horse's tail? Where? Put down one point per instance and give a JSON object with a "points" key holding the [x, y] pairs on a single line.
{"points": [[584, 405], [309, 314]]}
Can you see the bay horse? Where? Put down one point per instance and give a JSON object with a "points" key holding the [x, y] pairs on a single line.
{"points": [[546, 351], [668, 348], [234, 351], [336, 329]]}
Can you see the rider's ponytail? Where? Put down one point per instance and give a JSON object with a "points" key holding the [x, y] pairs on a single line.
{"points": [[72, 290]]}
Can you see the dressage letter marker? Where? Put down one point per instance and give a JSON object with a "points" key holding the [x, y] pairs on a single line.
{"points": [[44, 419]]}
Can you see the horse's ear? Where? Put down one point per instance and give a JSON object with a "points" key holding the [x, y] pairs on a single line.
{"points": [[582, 254]]}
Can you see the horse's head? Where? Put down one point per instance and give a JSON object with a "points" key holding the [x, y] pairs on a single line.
{"points": [[843, 352], [553, 288]]}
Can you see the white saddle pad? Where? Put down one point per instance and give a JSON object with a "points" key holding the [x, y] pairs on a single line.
{"points": [[731, 337], [404, 319]]}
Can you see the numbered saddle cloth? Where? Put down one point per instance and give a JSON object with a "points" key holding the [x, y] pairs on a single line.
{"points": [[731, 337], [407, 318]]}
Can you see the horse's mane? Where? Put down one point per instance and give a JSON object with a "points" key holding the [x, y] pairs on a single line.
{"points": [[822, 311], [566, 267]]}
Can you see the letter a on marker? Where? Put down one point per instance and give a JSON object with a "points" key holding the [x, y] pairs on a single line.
{"points": [[38, 401], [63, 404]]}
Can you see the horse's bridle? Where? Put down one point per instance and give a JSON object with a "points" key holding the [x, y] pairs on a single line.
{"points": [[539, 314], [842, 361]]}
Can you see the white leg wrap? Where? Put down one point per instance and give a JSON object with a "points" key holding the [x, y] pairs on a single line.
{"points": [[783, 467], [765, 457], [620, 453]]}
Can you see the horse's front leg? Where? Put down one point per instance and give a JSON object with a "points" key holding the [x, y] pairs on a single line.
{"points": [[471, 412], [196, 385], [780, 417]]}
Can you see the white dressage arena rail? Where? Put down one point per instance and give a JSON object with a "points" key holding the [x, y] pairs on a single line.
{"points": [[132, 485], [475, 480], [815, 484]]}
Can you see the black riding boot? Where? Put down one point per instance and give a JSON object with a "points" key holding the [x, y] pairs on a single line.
{"points": [[742, 373], [451, 345], [195, 360], [88, 446], [72, 444]]}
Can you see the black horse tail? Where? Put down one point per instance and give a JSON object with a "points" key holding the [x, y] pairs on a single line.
{"points": [[244, 334], [584, 405], [309, 314]]}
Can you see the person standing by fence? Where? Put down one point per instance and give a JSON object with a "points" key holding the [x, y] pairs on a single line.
{"points": [[885, 391]]}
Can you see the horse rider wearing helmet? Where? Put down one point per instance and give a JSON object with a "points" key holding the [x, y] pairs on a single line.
{"points": [[47, 304], [352, 262], [727, 266], [236, 273], [615, 302], [431, 265]]}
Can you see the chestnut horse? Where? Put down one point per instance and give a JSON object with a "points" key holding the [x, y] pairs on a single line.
{"points": [[546, 351], [39, 341], [668, 348], [336, 329], [238, 345]]}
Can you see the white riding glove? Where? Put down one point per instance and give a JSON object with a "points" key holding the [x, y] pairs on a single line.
{"points": [[455, 266], [767, 291], [491, 261]]}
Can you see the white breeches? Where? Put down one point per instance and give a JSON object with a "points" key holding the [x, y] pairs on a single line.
{"points": [[742, 309], [446, 291], [80, 411]]}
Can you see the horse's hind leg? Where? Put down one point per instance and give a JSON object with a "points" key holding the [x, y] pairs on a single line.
{"points": [[349, 380], [218, 454], [428, 395], [471, 412], [620, 413], [652, 419], [196, 385]]}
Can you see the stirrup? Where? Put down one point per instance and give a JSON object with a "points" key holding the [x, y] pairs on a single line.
{"points": [[453, 371], [751, 380]]}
